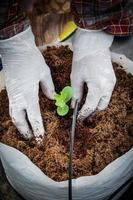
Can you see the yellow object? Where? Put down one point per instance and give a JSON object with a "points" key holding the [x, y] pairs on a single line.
{"points": [[68, 30]]}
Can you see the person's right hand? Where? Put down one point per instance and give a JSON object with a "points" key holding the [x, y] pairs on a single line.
{"points": [[92, 65], [24, 69]]}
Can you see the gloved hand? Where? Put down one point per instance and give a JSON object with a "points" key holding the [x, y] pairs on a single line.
{"points": [[24, 69], [92, 65]]}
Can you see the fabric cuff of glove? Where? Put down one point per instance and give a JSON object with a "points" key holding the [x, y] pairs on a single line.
{"points": [[90, 30]]}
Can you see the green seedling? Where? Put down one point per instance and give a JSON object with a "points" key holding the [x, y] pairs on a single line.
{"points": [[62, 99]]}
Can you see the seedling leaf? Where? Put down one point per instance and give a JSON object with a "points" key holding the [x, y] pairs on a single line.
{"points": [[62, 111], [61, 100], [67, 93]]}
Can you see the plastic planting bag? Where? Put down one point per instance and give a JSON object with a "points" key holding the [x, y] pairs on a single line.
{"points": [[28, 180]]}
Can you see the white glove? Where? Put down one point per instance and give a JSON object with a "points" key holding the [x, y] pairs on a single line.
{"points": [[92, 65], [24, 69]]}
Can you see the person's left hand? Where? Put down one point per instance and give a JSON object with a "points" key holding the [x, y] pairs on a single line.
{"points": [[25, 69], [92, 65]]}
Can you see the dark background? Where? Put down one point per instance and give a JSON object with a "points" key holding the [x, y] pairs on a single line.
{"points": [[8, 193]]}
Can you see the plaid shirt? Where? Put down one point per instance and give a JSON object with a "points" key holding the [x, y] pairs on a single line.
{"points": [[12, 19], [112, 16]]}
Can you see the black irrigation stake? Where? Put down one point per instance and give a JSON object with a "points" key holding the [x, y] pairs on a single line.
{"points": [[72, 133], [1, 66]]}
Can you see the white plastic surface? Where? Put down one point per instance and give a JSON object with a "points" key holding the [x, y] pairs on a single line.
{"points": [[33, 184]]}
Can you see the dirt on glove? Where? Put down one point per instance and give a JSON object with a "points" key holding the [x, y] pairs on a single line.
{"points": [[99, 139]]}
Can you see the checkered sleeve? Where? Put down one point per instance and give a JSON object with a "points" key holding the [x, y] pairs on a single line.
{"points": [[12, 19], [112, 16]]}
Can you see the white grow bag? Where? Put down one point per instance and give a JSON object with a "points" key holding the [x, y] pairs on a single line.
{"points": [[33, 184]]}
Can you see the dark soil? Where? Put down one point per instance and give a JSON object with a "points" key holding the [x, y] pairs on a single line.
{"points": [[99, 139]]}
